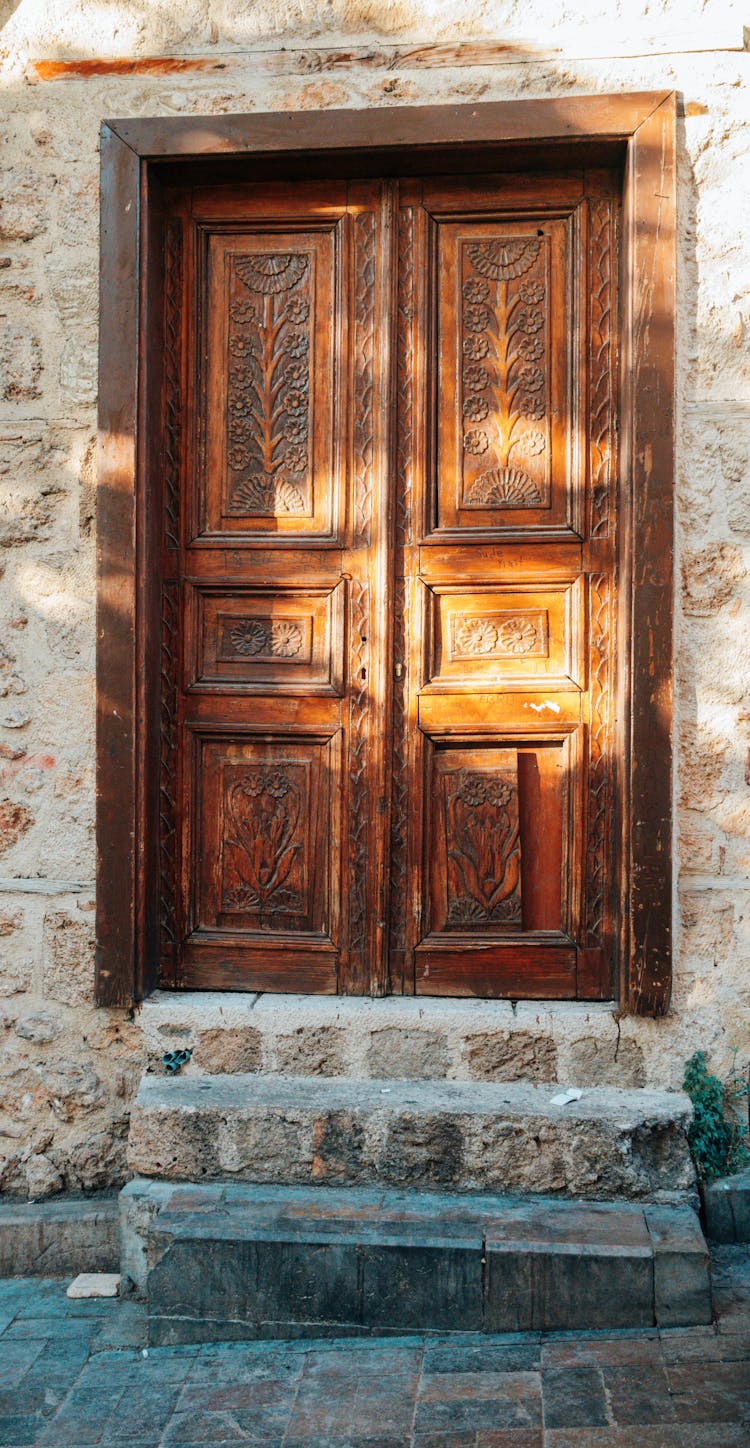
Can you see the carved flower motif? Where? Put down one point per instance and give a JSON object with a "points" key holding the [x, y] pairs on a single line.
{"points": [[472, 789], [532, 293], [475, 378], [476, 441], [504, 258], [531, 378], [244, 312], [270, 274], [475, 290], [498, 793], [295, 458], [299, 345], [294, 429], [532, 443], [531, 347], [531, 320], [298, 310], [475, 348], [475, 408], [476, 317], [518, 635], [475, 635], [240, 345], [296, 400], [297, 372]]}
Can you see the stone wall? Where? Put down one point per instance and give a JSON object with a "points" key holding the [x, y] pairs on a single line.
{"points": [[68, 1071]]}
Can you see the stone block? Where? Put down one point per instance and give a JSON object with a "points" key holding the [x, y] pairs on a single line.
{"points": [[510, 1056], [311, 1051], [397, 1052], [24, 204], [68, 953], [138, 1203], [226, 1050], [682, 1283]]}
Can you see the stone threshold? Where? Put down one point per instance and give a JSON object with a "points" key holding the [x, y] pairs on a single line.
{"points": [[573, 1043], [233, 1262]]}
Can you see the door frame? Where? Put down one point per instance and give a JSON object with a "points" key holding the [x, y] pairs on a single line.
{"points": [[140, 156]]}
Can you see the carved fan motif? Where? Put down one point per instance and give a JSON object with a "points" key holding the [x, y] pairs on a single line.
{"points": [[504, 488], [268, 398], [504, 258], [484, 848]]}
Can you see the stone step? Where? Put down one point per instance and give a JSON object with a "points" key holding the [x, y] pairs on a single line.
{"points": [[239, 1261], [466, 1136], [574, 1043]]}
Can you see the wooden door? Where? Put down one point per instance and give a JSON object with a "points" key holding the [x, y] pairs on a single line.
{"points": [[388, 587], [504, 770]]}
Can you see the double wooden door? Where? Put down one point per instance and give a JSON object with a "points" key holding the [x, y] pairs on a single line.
{"points": [[389, 586]]}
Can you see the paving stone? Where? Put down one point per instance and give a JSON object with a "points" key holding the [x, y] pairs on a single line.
{"points": [[574, 1398], [638, 1397], [450, 1401], [665, 1435]]}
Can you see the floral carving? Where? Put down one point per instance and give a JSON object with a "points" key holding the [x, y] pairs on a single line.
{"points": [[262, 814], [268, 405], [263, 638], [504, 377], [484, 847], [498, 635]]}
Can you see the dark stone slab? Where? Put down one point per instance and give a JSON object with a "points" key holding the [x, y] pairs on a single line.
{"points": [[412, 1286], [567, 1266], [682, 1281]]}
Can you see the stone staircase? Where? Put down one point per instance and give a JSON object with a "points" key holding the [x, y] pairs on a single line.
{"points": [[281, 1203]]}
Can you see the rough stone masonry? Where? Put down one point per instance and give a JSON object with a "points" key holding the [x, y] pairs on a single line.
{"points": [[68, 1071]]}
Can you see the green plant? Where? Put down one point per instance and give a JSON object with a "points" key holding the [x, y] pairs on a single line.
{"points": [[718, 1133]]}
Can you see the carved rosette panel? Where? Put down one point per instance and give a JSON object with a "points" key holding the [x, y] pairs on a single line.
{"points": [[167, 782], [483, 847], [599, 806], [262, 638], [503, 339], [602, 332], [262, 857], [172, 444], [499, 635], [405, 443], [269, 384]]}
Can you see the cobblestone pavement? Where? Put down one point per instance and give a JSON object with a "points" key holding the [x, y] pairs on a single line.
{"points": [[74, 1374]]}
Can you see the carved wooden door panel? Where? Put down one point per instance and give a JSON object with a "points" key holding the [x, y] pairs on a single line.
{"points": [[276, 409], [388, 587], [504, 769]]}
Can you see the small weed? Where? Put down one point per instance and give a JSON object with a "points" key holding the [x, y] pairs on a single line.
{"points": [[718, 1133]]}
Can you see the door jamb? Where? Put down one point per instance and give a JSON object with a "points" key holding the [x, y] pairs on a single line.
{"points": [[128, 664]]}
